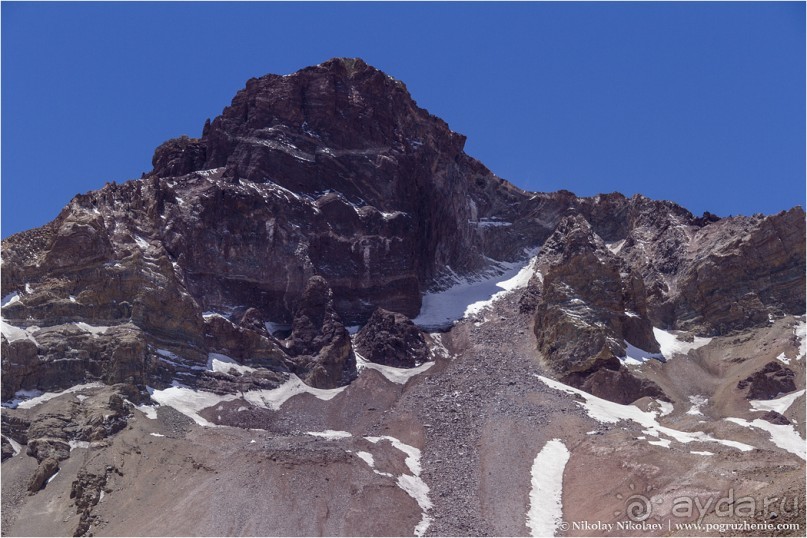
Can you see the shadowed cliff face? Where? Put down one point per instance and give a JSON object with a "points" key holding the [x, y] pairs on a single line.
{"points": [[349, 137], [332, 179]]}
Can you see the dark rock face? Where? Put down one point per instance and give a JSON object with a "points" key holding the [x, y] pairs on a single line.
{"points": [[64, 355], [7, 449], [392, 339], [179, 156], [15, 428], [49, 434], [609, 380], [588, 304], [741, 269], [705, 274], [769, 382], [380, 183], [249, 344], [615, 267], [319, 341]]}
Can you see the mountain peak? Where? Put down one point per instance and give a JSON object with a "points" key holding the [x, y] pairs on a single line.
{"points": [[340, 110]]}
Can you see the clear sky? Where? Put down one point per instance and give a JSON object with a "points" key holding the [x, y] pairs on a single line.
{"points": [[700, 103]]}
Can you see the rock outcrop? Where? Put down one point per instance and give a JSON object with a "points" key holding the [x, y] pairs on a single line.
{"points": [[86, 492], [705, 274], [46, 469], [615, 267], [392, 339], [319, 341], [769, 382], [589, 306], [775, 418]]}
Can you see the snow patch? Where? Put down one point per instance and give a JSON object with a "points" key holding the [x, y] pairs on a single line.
{"points": [[491, 222], [415, 487], [10, 299], [518, 281], [800, 330], [95, 330], [781, 357], [396, 375], [412, 484], [13, 333], [272, 327], [175, 360], [697, 402], [546, 507], [156, 434], [274, 398], [784, 436], [149, 410], [367, 458], [671, 345], [142, 243], [780, 405], [438, 348], [702, 452], [635, 356], [15, 446], [609, 412], [615, 246], [664, 408], [27, 399], [190, 402], [331, 434], [21, 396], [441, 309], [217, 362]]}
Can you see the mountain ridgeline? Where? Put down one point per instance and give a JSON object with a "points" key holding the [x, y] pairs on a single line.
{"points": [[317, 198]]}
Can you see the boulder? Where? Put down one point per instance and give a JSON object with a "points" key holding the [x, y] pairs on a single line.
{"points": [[775, 418], [46, 469], [392, 339]]}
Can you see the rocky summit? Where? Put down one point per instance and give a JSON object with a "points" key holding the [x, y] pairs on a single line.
{"points": [[322, 317]]}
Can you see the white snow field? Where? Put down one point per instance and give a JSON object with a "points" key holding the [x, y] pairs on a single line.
{"points": [[780, 405], [546, 507], [610, 412], [470, 295], [784, 436], [396, 375], [26, 399]]}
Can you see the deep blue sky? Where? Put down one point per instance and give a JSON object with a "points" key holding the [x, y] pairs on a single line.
{"points": [[699, 103]]}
